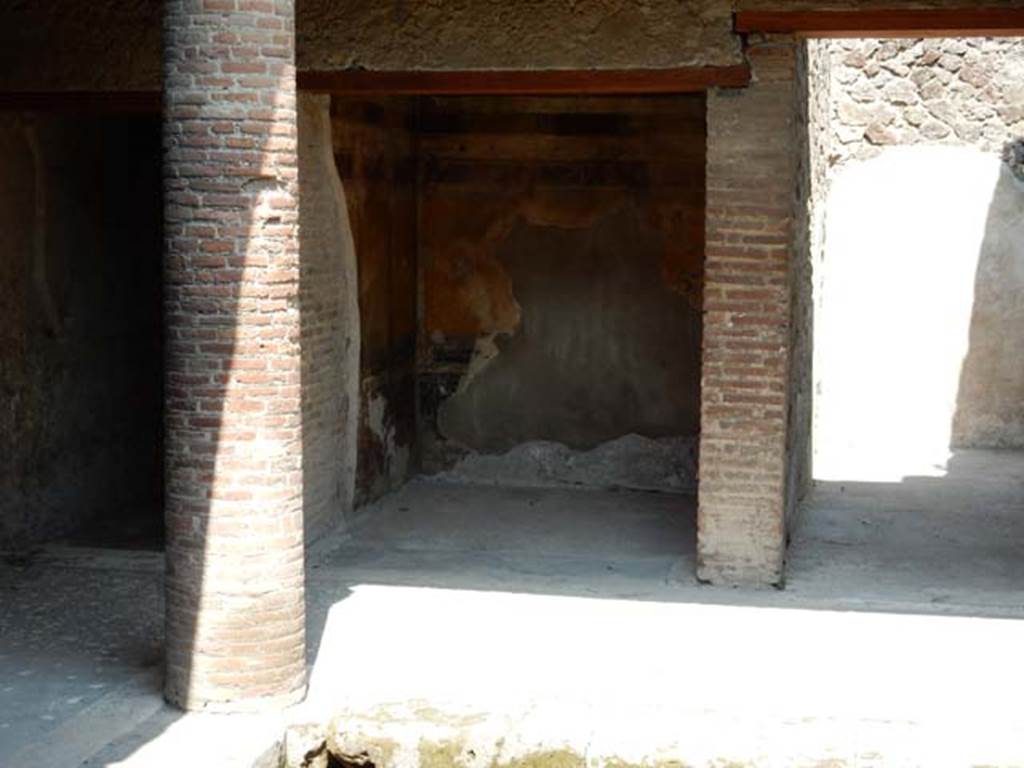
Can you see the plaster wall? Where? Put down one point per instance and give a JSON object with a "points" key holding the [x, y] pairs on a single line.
{"points": [[561, 243], [539, 34], [990, 396], [330, 324], [373, 144], [115, 44], [80, 328], [529, 278], [813, 105], [920, 335], [95, 45]]}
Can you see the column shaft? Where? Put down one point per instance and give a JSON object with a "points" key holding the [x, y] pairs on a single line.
{"points": [[235, 602]]}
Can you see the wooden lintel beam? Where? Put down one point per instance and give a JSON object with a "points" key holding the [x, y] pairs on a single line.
{"points": [[953, 22], [525, 82], [363, 82]]}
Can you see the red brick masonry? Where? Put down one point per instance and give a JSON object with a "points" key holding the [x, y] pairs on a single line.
{"points": [[751, 182], [235, 606]]}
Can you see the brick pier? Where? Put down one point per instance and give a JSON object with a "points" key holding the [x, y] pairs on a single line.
{"points": [[751, 194]]}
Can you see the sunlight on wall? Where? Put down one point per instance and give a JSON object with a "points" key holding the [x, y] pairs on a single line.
{"points": [[895, 293]]}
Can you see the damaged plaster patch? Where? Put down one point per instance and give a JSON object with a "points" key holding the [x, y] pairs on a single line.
{"points": [[380, 444], [381, 424], [632, 461], [485, 350], [376, 416], [468, 290]]}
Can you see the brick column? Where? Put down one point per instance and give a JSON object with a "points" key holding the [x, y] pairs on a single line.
{"points": [[235, 603], [751, 181]]}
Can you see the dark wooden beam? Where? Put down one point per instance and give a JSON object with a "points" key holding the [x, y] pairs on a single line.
{"points": [[525, 82], [83, 102], [355, 82], [955, 22]]}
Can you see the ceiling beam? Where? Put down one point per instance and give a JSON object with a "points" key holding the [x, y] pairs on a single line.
{"points": [[954, 22], [368, 83], [525, 82]]}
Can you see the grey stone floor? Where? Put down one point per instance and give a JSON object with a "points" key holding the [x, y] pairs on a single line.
{"points": [[949, 545], [567, 593], [79, 638], [953, 543]]}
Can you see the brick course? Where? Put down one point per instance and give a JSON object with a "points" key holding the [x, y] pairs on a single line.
{"points": [[235, 603]]}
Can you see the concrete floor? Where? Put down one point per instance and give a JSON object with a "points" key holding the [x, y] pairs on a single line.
{"points": [[517, 621], [80, 653], [955, 543], [432, 526], [81, 634]]}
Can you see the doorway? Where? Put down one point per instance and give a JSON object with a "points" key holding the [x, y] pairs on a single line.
{"points": [[530, 272], [915, 221]]}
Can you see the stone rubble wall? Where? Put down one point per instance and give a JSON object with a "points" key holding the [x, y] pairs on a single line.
{"points": [[952, 91]]}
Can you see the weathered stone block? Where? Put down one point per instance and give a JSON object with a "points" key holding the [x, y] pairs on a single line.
{"points": [[305, 746]]}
